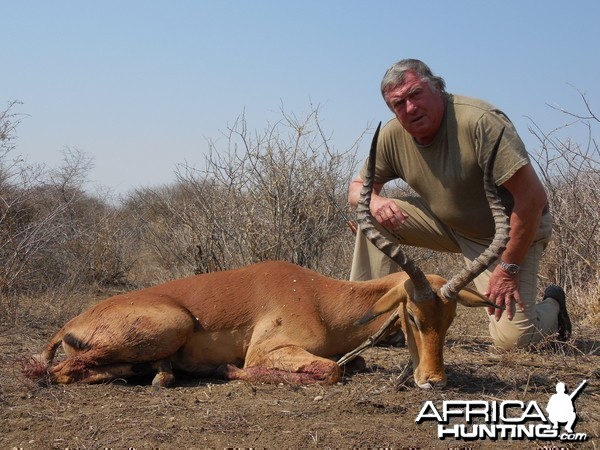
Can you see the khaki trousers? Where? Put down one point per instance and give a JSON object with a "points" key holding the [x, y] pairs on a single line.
{"points": [[423, 229]]}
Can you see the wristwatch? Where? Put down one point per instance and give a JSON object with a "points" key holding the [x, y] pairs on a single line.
{"points": [[511, 269]]}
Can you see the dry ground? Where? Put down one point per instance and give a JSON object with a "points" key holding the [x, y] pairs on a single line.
{"points": [[373, 409]]}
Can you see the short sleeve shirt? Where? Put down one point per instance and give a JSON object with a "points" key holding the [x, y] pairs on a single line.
{"points": [[448, 173]]}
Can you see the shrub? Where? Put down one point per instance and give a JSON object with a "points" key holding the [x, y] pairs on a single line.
{"points": [[265, 196], [570, 172]]}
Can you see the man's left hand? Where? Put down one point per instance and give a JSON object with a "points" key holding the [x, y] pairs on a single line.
{"points": [[503, 290]]}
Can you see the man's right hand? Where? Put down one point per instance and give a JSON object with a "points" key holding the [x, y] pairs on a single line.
{"points": [[387, 212]]}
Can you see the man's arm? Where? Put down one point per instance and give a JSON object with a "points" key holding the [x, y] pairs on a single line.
{"points": [[385, 211], [529, 202]]}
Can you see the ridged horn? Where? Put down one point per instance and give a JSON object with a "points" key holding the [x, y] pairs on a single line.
{"points": [[498, 245], [366, 221]]}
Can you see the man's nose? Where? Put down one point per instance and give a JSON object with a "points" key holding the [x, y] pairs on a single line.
{"points": [[411, 106]]}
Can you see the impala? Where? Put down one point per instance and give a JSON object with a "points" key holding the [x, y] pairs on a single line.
{"points": [[268, 322]]}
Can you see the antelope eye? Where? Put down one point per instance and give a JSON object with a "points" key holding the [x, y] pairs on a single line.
{"points": [[412, 321]]}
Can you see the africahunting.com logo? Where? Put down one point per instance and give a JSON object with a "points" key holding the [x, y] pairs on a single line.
{"points": [[508, 419]]}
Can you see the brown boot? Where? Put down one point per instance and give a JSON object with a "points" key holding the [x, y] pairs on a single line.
{"points": [[564, 322]]}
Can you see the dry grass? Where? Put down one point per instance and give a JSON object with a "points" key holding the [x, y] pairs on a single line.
{"points": [[373, 408]]}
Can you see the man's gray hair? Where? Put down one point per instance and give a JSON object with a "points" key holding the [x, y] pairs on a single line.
{"points": [[396, 74]]}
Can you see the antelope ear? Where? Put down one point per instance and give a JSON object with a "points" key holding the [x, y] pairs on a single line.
{"points": [[390, 300], [473, 299]]}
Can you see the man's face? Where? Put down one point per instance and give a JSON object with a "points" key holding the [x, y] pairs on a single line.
{"points": [[418, 107]]}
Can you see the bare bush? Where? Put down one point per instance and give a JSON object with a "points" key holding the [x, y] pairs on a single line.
{"points": [[52, 233], [264, 196], [571, 174], [260, 195]]}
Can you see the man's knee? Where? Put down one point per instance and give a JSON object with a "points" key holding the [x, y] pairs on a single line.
{"points": [[508, 335]]}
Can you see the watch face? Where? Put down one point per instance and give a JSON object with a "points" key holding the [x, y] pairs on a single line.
{"points": [[512, 269]]}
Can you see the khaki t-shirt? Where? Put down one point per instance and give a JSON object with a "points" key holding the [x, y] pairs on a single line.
{"points": [[448, 173]]}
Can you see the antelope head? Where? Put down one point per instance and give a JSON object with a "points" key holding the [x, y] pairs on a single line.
{"points": [[427, 303]]}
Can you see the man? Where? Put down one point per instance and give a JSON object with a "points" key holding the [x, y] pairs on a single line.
{"points": [[438, 143]]}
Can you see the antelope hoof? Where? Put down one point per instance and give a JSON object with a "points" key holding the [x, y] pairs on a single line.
{"points": [[432, 384]]}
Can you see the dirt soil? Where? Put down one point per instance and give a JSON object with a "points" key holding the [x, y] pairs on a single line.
{"points": [[375, 408]]}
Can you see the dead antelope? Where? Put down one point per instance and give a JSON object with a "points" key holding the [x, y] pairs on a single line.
{"points": [[268, 322]]}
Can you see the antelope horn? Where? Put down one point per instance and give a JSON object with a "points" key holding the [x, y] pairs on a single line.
{"points": [[423, 289], [483, 261]]}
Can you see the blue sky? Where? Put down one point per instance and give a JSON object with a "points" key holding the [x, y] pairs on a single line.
{"points": [[140, 86]]}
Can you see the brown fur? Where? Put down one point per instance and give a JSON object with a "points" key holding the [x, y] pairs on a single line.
{"points": [[268, 322], [425, 324]]}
